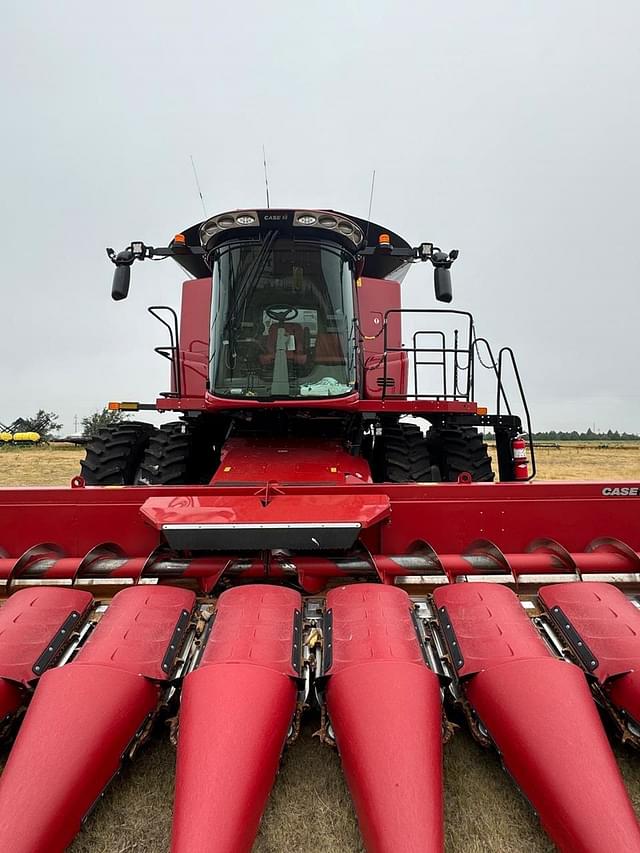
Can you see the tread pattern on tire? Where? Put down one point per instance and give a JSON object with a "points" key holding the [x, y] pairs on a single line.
{"points": [[405, 455], [457, 449], [113, 455], [175, 456]]}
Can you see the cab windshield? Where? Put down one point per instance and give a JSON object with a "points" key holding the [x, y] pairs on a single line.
{"points": [[282, 320]]}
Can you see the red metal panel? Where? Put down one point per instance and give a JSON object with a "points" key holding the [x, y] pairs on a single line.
{"points": [[384, 706], [605, 619], [371, 623], [609, 625], [539, 712], [541, 717], [83, 717], [449, 516], [135, 633], [254, 624], [12, 698], [195, 321], [282, 509], [246, 460], [235, 714], [490, 624], [69, 746], [29, 620], [624, 693], [375, 297]]}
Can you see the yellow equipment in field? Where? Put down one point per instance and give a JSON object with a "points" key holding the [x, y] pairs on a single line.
{"points": [[26, 437], [7, 437]]}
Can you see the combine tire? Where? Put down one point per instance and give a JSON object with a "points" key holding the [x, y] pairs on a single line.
{"points": [[177, 455], [114, 454], [459, 449], [402, 456]]}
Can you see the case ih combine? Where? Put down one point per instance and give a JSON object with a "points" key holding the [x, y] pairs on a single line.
{"points": [[290, 543]]}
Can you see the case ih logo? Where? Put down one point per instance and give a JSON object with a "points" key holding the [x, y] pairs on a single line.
{"points": [[621, 491]]}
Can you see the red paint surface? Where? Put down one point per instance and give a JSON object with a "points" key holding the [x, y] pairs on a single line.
{"points": [[605, 619], [29, 620], [292, 461], [282, 509], [195, 321], [384, 706], [490, 624], [609, 625], [235, 714], [69, 746], [451, 517], [135, 632], [83, 717], [541, 717]]}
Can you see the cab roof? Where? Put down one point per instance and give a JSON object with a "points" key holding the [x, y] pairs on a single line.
{"points": [[375, 265]]}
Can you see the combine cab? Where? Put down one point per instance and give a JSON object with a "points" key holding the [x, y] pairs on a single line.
{"points": [[292, 542]]}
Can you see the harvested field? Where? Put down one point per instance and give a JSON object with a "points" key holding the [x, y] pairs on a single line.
{"points": [[57, 464], [310, 808]]}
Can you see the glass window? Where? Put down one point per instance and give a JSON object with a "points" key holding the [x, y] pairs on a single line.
{"points": [[283, 321]]}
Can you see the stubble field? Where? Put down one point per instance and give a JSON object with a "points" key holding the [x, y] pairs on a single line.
{"points": [[310, 808]]}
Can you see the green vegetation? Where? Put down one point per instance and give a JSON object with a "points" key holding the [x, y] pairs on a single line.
{"points": [[94, 422], [589, 435]]}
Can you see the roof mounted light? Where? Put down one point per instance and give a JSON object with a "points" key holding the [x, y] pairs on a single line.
{"points": [[306, 219], [223, 221], [327, 221]]}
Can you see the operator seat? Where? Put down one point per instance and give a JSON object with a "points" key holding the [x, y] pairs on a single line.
{"points": [[300, 351], [329, 349]]}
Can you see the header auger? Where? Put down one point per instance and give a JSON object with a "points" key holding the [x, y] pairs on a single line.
{"points": [[292, 543]]}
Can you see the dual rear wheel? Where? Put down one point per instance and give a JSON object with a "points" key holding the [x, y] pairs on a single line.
{"points": [[136, 453], [402, 454]]}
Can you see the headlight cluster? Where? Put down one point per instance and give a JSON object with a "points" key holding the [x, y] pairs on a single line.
{"points": [[326, 220], [308, 218], [226, 220]]}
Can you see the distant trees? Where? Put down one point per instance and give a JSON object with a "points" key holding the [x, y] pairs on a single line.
{"points": [[589, 435], [44, 423], [106, 417]]}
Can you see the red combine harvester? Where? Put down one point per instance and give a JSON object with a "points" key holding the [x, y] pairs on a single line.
{"points": [[291, 543]]}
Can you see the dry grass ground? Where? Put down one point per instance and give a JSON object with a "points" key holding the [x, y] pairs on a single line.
{"points": [[310, 808]]}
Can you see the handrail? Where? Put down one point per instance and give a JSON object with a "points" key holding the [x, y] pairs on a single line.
{"points": [[172, 352], [500, 392], [459, 393], [516, 373]]}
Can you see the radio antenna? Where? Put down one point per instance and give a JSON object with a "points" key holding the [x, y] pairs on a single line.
{"points": [[195, 175], [266, 176], [373, 184]]}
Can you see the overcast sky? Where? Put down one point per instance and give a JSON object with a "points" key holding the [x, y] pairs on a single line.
{"points": [[510, 130]]}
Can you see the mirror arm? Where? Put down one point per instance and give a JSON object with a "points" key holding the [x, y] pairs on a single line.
{"points": [[137, 251]]}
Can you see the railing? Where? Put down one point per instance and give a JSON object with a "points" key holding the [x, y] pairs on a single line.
{"points": [[453, 357], [453, 353], [172, 352]]}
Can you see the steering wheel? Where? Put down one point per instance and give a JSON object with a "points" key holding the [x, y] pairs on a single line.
{"points": [[281, 313]]}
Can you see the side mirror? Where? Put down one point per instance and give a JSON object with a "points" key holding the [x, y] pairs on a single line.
{"points": [[121, 275], [120, 286], [442, 284]]}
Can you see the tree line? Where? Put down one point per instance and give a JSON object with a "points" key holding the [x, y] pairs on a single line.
{"points": [[589, 435], [48, 424]]}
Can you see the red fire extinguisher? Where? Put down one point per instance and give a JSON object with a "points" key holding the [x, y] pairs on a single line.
{"points": [[520, 461]]}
